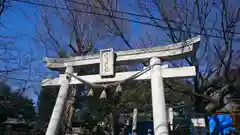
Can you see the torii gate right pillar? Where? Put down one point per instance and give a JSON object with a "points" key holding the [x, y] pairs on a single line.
{"points": [[158, 98]]}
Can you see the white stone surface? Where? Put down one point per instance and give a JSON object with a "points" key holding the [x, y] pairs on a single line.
{"points": [[172, 51], [166, 73], [106, 62], [160, 120], [54, 124]]}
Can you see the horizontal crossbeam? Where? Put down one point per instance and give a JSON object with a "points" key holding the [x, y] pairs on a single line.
{"points": [[172, 51], [166, 73]]}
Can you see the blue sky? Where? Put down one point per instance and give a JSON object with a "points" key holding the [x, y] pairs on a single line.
{"points": [[20, 20]]}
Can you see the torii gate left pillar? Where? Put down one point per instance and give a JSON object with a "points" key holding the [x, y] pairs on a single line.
{"points": [[54, 124], [158, 98]]}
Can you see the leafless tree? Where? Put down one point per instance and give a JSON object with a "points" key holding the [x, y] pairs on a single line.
{"points": [[78, 23], [13, 61]]}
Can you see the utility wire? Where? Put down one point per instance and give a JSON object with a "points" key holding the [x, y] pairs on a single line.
{"points": [[145, 16], [126, 19], [138, 15]]}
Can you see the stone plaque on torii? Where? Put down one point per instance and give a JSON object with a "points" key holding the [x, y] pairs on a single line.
{"points": [[107, 59]]}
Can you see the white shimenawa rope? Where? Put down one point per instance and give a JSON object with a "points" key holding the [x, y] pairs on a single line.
{"points": [[105, 86]]}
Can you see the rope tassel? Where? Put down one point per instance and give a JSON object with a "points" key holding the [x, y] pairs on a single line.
{"points": [[119, 88], [103, 94], [90, 93]]}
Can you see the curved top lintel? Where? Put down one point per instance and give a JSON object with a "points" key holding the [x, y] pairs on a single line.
{"points": [[172, 51]]}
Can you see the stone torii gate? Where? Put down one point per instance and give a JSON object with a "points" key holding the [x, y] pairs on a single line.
{"points": [[106, 60]]}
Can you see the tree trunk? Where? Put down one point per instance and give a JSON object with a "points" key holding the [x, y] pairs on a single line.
{"points": [[70, 109]]}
